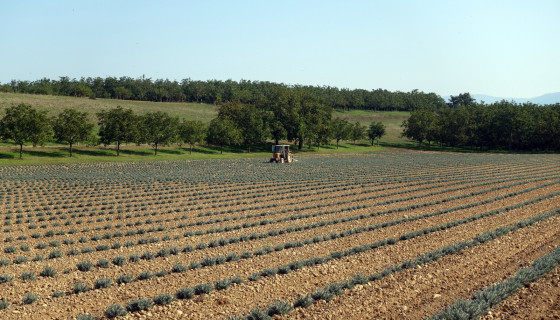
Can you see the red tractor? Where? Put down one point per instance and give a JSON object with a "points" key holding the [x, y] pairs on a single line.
{"points": [[281, 153]]}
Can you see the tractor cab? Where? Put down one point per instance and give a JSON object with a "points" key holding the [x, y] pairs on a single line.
{"points": [[281, 153]]}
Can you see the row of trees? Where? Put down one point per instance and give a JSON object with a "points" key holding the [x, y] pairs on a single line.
{"points": [[235, 124], [24, 124], [502, 125], [217, 92]]}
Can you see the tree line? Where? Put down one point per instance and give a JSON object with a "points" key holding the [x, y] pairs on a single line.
{"points": [[218, 92], [299, 120], [498, 126]]}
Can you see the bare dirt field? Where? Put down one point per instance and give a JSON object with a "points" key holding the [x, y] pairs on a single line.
{"points": [[387, 235]]}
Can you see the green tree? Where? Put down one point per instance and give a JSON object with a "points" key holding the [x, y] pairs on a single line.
{"points": [[160, 128], [116, 125], [72, 126], [23, 123], [315, 121], [223, 132], [357, 131], [249, 120], [463, 99], [341, 130], [376, 131], [139, 131], [277, 131], [43, 131], [417, 126], [192, 132], [453, 125]]}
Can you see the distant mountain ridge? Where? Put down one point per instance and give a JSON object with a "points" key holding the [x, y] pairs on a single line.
{"points": [[549, 98]]}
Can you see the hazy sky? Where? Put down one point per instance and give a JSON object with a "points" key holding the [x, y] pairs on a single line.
{"points": [[501, 48]]}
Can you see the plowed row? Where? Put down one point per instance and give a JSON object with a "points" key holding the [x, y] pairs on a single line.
{"points": [[270, 216]]}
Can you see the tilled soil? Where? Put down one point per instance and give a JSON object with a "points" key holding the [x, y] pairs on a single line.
{"points": [[415, 293], [537, 300], [421, 292]]}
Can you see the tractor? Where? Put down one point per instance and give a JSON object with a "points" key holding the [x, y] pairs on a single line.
{"points": [[281, 153]]}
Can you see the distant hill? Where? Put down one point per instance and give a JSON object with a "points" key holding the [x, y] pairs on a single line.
{"points": [[549, 98]]}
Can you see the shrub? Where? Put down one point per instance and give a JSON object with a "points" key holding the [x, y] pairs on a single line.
{"points": [[303, 301], [58, 294], [258, 314], [222, 284], [4, 304], [6, 278], [124, 278], [232, 257], [144, 275], [163, 253], [148, 255], [103, 263], [87, 249], [80, 287], [102, 247], [86, 316], [72, 252], [29, 298], [269, 272], [188, 248], [115, 310], [28, 276], [10, 249], [139, 305], [102, 283], [178, 268], [161, 273], [184, 293], [163, 298], [134, 258], [284, 270], [208, 261], [322, 294], [246, 255], [119, 261], [254, 277], [4, 262], [279, 308], [48, 271], [54, 243], [359, 279], [85, 265], [203, 288], [335, 288], [54, 254], [20, 259], [236, 279]]}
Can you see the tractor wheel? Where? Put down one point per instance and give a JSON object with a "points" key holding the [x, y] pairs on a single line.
{"points": [[282, 160]]}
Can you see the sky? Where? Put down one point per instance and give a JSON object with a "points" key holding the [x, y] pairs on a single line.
{"points": [[501, 48]]}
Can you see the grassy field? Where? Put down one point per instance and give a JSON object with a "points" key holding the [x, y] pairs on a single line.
{"points": [[55, 104], [391, 119], [53, 153], [9, 155]]}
